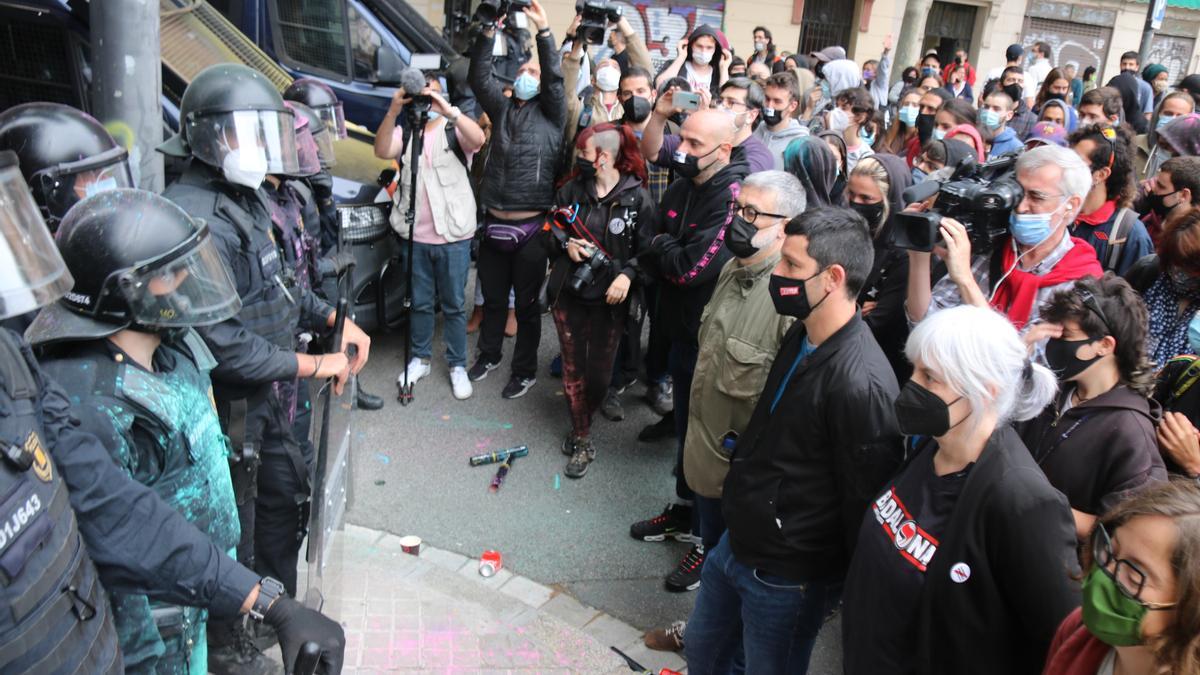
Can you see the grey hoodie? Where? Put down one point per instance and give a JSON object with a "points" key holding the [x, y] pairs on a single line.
{"points": [[777, 141]]}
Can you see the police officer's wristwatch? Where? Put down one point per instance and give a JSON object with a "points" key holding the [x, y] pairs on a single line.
{"points": [[269, 590]]}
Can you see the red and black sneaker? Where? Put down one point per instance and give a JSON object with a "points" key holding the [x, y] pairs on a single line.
{"points": [[675, 522], [686, 576]]}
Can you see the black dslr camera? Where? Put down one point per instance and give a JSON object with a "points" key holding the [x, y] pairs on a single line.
{"points": [[586, 271], [490, 11], [980, 196], [595, 16]]}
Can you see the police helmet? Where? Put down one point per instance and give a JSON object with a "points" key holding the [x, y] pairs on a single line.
{"points": [[307, 153], [320, 97], [320, 133], [232, 118], [32, 272], [65, 155], [139, 261]]}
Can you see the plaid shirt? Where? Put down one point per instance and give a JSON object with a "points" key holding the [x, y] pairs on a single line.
{"points": [[659, 179]]}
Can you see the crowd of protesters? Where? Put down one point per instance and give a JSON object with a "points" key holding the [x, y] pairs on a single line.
{"points": [[984, 451]]}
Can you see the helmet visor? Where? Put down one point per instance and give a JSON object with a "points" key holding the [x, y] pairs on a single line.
{"points": [[324, 141], [334, 119], [191, 288], [246, 140], [32, 273], [65, 184], [307, 152]]}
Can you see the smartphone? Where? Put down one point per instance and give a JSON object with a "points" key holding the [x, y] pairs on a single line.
{"points": [[686, 101]]}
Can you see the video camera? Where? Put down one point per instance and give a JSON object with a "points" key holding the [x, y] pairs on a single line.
{"points": [[489, 11], [980, 196], [595, 16]]}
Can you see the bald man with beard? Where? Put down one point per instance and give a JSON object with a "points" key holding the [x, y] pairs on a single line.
{"points": [[687, 255]]}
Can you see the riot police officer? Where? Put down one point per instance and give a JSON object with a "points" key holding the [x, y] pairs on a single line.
{"points": [[315, 101], [122, 347], [66, 505], [235, 131], [65, 155]]}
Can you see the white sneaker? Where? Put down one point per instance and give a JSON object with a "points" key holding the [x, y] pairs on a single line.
{"points": [[416, 370], [460, 383]]}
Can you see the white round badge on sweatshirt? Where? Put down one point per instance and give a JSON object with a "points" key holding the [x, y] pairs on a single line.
{"points": [[960, 573]]}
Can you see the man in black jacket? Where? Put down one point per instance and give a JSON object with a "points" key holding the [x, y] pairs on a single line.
{"points": [[820, 443], [517, 189], [687, 256]]}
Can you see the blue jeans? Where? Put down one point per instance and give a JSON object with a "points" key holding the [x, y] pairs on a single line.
{"points": [[710, 522], [746, 620], [441, 270]]}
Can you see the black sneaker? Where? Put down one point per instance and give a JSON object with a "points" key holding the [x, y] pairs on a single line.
{"points": [[611, 407], [675, 521], [481, 369], [581, 459], [661, 396], [686, 576], [517, 386], [659, 431], [568, 445]]}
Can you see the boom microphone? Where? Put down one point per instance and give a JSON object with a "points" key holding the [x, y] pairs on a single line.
{"points": [[412, 81]]}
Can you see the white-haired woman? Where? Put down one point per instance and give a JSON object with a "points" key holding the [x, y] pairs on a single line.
{"points": [[966, 562]]}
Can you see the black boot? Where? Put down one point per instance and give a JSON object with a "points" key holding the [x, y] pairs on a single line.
{"points": [[368, 401]]}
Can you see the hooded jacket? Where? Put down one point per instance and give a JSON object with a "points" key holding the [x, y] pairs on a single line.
{"points": [[887, 284], [777, 141], [714, 87], [526, 144], [968, 134], [740, 333], [810, 159], [689, 250], [1099, 451], [616, 221], [841, 75], [1006, 141]]}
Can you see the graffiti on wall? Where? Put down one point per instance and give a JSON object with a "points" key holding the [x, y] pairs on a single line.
{"points": [[1173, 52], [663, 24], [1070, 42]]}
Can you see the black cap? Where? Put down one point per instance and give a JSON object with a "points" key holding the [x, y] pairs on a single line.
{"points": [[1014, 52]]}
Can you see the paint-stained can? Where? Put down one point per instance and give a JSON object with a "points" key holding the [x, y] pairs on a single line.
{"points": [[490, 563]]}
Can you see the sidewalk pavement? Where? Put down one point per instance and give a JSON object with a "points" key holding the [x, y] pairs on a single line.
{"points": [[436, 614]]}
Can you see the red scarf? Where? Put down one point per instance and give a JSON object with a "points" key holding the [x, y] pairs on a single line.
{"points": [[1017, 293]]}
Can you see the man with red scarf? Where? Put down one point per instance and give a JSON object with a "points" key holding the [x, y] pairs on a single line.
{"points": [[1024, 269]]}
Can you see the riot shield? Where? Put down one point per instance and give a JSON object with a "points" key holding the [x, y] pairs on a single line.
{"points": [[331, 470]]}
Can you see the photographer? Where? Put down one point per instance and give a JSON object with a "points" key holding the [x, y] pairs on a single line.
{"points": [[1027, 266], [600, 102], [599, 212], [442, 231], [516, 190]]}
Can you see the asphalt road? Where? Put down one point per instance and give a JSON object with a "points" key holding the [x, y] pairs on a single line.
{"points": [[410, 476]]}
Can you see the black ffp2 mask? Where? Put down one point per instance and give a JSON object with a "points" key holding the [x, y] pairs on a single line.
{"points": [[636, 109]]}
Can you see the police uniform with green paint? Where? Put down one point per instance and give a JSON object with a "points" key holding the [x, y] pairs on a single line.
{"points": [[122, 346]]}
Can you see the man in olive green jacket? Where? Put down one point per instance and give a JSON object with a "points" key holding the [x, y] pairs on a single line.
{"points": [[740, 333]]}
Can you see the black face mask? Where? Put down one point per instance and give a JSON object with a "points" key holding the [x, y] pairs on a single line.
{"points": [[1060, 356], [586, 168], [924, 127], [772, 116], [872, 213], [1014, 92], [739, 238], [1155, 202], [791, 296], [687, 165], [920, 412], [637, 109]]}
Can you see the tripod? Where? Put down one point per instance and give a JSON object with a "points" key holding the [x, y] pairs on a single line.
{"points": [[419, 116]]}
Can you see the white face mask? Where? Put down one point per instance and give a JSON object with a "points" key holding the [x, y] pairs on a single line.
{"points": [[838, 120], [608, 78], [244, 168], [760, 46], [702, 58]]}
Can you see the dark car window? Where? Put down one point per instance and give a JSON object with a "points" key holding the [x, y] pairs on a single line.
{"points": [[43, 71], [313, 34]]}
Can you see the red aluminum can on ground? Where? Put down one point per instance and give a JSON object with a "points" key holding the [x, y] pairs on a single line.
{"points": [[490, 563]]}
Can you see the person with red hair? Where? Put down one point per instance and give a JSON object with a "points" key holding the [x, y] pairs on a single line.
{"points": [[599, 211]]}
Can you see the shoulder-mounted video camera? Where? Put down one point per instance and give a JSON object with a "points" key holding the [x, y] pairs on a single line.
{"points": [[489, 11], [980, 196], [595, 16]]}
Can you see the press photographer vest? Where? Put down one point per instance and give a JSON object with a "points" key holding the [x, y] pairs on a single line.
{"points": [[447, 186], [54, 614]]}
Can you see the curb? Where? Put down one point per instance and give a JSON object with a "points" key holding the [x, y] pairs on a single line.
{"points": [[550, 600]]}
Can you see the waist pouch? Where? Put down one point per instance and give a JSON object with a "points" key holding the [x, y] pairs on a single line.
{"points": [[510, 236]]}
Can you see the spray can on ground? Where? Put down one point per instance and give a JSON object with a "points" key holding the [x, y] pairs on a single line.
{"points": [[499, 455]]}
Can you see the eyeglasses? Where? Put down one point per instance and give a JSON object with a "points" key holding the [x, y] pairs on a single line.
{"points": [[749, 213], [1091, 304], [1129, 578], [730, 103]]}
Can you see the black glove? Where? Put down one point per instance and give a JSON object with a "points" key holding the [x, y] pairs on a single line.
{"points": [[296, 624], [322, 185], [337, 263]]}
